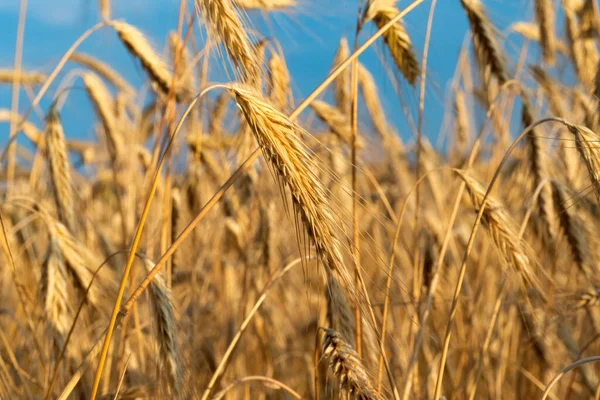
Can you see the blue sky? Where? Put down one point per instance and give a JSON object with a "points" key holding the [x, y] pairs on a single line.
{"points": [[309, 36]]}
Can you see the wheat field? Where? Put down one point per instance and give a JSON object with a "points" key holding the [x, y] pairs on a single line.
{"points": [[233, 240]]}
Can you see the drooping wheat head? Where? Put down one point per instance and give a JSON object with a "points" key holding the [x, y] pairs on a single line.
{"points": [[397, 39]]}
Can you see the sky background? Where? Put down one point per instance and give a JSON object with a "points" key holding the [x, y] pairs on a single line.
{"points": [[309, 35]]}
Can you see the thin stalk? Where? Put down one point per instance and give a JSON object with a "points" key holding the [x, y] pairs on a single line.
{"points": [[16, 86]]}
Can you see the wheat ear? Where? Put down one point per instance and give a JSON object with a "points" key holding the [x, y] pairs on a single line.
{"points": [[55, 290], [138, 45], [224, 23], [485, 44], [501, 229], [335, 120], [341, 84], [588, 147], [572, 227], [279, 82], [60, 169], [347, 366], [544, 13], [531, 31], [104, 70], [27, 78], [396, 38], [104, 106], [372, 102], [166, 327], [265, 5], [279, 140]]}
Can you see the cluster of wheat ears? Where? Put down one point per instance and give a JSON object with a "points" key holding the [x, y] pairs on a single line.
{"points": [[215, 243]]}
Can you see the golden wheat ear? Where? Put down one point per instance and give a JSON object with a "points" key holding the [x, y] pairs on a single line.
{"points": [[137, 44], [588, 147], [279, 82], [545, 16], [347, 366], [396, 38], [266, 5], [486, 47], [26, 78], [223, 23], [104, 71], [104, 106], [373, 103], [166, 327], [502, 230], [60, 169], [54, 290], [279, 140]]}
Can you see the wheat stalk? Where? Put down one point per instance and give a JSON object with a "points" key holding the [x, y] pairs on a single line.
{"points": [[104, 6]]}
